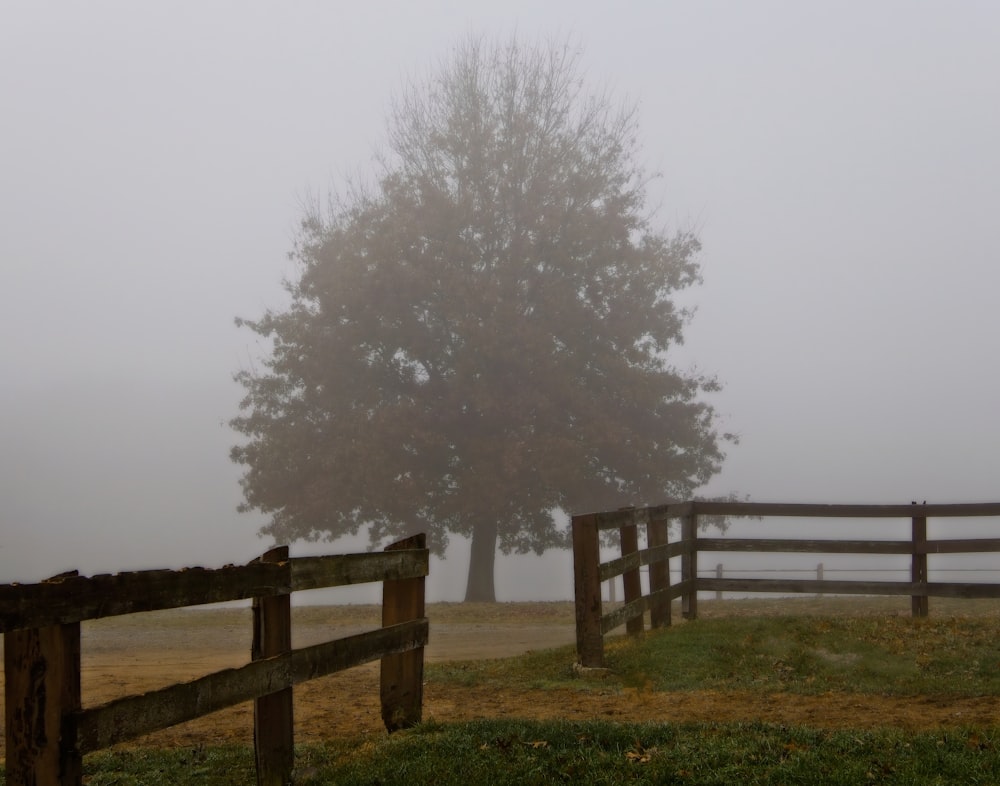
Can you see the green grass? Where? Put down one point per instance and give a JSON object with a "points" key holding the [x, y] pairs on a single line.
{"points": [[602, 753], [513, 752], [537, 670], [889, 655], [892, 655]]}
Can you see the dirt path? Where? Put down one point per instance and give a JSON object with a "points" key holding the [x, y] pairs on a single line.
{"points": [[141, 653]]}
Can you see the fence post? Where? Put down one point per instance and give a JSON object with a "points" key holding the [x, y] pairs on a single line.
{"points": [[273, 733], [689, 566], [658, 534], [718, 575], [819, 577], [42, 690], [402, 677], [918, 565], [587, 591], [631, 581]]}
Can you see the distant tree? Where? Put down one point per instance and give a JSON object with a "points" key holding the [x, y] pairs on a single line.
{"points": [[479, 338]]}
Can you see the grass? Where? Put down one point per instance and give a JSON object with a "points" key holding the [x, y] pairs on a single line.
{"points": [[894, 655], [882, 654], [513, 752], [601, 753], [537, 670], [891, 655]]}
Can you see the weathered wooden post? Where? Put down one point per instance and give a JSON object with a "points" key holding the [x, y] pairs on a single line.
{"points": [[918, 565], [273, 732], [402, 678], [631, 581], [718, 575], [658, 534], [587, 591], [689, 566], [42, 690]]}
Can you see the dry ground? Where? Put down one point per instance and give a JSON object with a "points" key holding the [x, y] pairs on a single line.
{"points": [[134, 654]]}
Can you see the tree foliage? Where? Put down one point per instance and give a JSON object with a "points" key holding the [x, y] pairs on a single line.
{"points": [[480, 337]]}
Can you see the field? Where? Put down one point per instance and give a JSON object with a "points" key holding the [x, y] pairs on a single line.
{"points": [[827, 665]]}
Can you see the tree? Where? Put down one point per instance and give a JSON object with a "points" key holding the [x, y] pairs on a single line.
{"points": [[478, 339]]}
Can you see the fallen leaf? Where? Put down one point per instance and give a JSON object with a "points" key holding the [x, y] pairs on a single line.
{"points": [[639, 754]]}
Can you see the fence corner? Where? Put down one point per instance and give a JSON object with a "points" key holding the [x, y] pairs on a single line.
{"points": [[402, 676], [587, 581]]}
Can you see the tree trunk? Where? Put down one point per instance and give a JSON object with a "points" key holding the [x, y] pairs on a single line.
{"points": [[482, 560]]}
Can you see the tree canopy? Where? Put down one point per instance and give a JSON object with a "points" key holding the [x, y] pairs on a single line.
{"points": [[480, 337]]}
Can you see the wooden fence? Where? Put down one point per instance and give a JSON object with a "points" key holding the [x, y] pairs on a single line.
{"points": [[590, 572], [48, 730]]}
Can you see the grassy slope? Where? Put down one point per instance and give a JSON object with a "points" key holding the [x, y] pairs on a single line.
{"points": [[885, 655]]}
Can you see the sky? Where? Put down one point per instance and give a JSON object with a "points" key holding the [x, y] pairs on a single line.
{"points": [[839, 162]]}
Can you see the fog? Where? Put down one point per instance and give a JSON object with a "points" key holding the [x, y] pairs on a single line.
{"points": [[839, 162]]}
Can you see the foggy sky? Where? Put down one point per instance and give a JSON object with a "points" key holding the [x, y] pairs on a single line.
{"points": [[839, 162]]}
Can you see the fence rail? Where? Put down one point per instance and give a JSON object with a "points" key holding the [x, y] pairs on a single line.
{"points": [[48, 731], [589, 572]]}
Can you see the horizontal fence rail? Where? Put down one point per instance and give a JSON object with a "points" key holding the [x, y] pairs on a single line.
{"points": [[68, 598], [589, 572], [48, 730], [134, 716], [963, 546]]}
